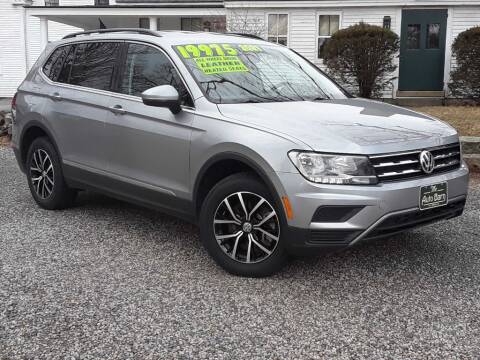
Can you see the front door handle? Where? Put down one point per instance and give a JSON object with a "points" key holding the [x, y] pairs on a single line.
{"points": [[56, 96], [118, 109]]}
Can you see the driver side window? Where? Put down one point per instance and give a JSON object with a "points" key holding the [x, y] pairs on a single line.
{"points": [[147, 67]]}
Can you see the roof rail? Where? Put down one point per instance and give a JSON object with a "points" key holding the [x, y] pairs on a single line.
{"points": [[113, 30], [246, 35]]}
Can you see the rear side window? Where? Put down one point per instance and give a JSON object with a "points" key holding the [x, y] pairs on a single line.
{"points": [[53, 66], [94, 65], [67, 66], [147, 67]]}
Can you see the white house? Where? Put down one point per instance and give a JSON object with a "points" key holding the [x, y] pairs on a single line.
{"points": [[426, 28]]}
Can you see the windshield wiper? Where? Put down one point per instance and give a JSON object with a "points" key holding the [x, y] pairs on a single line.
{"points": [[320, 98]]}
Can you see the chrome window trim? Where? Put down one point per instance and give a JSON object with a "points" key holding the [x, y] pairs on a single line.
{"points": [[108, 92]]}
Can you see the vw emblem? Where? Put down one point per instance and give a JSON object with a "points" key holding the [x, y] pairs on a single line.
{"points": [[247, 227], [427, 162]]}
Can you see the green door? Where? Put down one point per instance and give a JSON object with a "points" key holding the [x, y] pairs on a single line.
{"points": [[422, 50]]}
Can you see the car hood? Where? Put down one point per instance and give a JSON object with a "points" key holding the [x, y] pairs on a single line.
{"points": [[348, 125]]}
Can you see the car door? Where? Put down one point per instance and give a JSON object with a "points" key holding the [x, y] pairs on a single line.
{"points": [[79, 96], [149, 146]]}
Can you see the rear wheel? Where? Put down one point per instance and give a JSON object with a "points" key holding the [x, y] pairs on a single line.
{"points": [[241, 227], [45, 176]]}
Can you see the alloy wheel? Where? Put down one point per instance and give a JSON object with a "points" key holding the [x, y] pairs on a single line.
{"points": [[246, 227], [42, 173]]}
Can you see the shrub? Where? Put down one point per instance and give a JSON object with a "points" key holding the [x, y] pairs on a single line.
{"points": [[465, 78], [361, 56]]}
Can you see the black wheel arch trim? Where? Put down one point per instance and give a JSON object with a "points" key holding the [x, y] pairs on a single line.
{"points": [[31, 124], [241, 158]]}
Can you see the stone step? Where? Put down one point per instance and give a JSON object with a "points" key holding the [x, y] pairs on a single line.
{"points": [[428, 94], [470, 144], [416, 101], [473, 161]]}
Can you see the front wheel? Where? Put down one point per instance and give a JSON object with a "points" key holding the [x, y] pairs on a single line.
{"points": [[241, 227]]}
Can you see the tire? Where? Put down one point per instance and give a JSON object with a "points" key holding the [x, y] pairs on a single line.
{"points": [[218, 237], [43, 167]]}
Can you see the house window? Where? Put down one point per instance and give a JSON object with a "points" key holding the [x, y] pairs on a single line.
{"points": [[278, 28], [102, 2], [327, 26], [51, 3], [191, 24], [387, 22], [144, 23]]}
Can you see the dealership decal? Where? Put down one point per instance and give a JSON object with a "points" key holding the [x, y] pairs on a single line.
{"points": [[220, 64]]}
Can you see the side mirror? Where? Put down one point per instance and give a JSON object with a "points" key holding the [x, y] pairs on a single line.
{"points": [[162, 96]]}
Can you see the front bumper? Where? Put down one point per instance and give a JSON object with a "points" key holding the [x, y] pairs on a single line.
{"points": [[385, 209]]}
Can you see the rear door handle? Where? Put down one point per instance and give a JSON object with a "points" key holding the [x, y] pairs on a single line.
{"points": [[56, 96], [118, 109]]}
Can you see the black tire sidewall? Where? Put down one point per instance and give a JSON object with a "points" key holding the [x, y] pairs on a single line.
{"points": [[61, 195], [227, 186]]}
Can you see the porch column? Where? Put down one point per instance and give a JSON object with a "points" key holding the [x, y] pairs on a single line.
{"points": [[153, 23], [43, 32]]}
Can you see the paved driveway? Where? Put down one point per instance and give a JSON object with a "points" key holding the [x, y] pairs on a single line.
{"points": [[111, 280]]}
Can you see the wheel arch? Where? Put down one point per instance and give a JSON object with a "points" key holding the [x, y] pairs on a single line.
{"points": [[214, 170], [33, 130]]}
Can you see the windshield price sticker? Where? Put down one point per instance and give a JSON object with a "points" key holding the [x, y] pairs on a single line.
{"points": [[220, 64], [201, 50]]}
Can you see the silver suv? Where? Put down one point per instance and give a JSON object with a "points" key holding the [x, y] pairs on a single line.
{"points": [[246, 138]]}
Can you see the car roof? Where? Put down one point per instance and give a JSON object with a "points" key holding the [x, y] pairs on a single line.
{"points": [[169, 37]]}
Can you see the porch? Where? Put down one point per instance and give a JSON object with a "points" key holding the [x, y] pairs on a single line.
{"points": [[198, 17]]}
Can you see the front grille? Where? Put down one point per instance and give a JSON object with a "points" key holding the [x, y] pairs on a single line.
{"points": [[406, 165], [404, 221]]}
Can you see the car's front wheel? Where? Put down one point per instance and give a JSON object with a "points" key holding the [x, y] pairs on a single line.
{"points": [[45, 176], [241, 227]]}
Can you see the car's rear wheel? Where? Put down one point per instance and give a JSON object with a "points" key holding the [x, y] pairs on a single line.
{"points": [[241, 227], [45, 176]]}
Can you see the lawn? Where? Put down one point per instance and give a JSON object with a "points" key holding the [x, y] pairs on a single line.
{"points": [[466, 119]]}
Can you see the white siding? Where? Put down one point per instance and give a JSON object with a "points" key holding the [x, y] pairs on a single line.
{"points": [[13, 65], [303, 29], [371, 15], [463, 18]]}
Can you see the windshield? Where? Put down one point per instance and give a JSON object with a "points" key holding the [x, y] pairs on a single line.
{"points": [[239, 73]]}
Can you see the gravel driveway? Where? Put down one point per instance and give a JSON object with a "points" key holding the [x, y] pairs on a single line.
{"points": [[110, 280]]}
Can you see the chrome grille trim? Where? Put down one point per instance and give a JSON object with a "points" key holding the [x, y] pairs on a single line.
{"points": [[406, 165]]}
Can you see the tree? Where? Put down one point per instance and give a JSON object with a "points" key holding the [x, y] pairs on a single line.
{"points": [[362, 56], [242, 22], [465, 78]]}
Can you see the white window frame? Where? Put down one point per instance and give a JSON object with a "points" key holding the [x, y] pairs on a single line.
{"points": [[317, 31], [267, 35]]}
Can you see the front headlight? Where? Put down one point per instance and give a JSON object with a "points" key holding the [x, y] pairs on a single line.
{"points": [[333, 168]]}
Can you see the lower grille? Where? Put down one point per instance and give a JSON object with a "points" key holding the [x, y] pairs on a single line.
{"points": [[332, 237], [414, 218], [400, 166]]}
